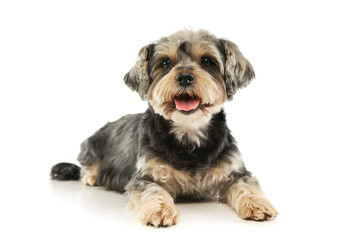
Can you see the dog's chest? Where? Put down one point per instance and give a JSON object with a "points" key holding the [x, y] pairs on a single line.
{"points": [[204, 183]]}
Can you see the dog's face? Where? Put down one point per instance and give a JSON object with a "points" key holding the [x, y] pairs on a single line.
{"points": [[188, 76]]}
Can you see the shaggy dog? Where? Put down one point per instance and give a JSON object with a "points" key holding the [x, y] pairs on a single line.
{"points": [[181, 146]]}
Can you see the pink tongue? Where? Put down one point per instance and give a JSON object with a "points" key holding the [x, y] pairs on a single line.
{"points": [[186, 104]]}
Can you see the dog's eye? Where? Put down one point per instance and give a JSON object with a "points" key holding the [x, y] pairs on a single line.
{"points": [[206, 61], [166, 63]]}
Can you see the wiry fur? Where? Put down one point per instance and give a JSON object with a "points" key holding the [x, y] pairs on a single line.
{"points": [[165, 153]]}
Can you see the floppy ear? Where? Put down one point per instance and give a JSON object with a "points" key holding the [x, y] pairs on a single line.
{"points": [[138, 78], [238, 72]]}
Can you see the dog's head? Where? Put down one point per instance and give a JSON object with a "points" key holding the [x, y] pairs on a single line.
{"points": [[189, 75]]}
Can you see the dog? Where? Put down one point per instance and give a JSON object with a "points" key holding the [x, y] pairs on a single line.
{"points": [[181, 147]]}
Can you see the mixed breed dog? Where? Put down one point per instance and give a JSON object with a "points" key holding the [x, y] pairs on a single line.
{"points": [[181, 147]]}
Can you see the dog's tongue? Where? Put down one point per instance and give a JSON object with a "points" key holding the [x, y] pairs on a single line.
{"points": [[186, 104]]}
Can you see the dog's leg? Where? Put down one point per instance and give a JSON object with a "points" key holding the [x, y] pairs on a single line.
{"points": [[247, 199], [89, 174], [90, 157], [152, 204]]}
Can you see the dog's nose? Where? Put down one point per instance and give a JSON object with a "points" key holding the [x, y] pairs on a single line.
{"points": [[185, 79]]}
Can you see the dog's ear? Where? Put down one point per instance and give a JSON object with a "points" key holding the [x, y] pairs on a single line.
{"points": [[138, 78], [238, 72]]}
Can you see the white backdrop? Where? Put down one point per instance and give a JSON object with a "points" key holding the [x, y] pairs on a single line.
{"points": [[297, 125]]}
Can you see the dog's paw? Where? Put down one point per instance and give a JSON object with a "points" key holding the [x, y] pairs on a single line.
{"points": [[153, 206], [256, 208], [89, 180], [164, 217]]}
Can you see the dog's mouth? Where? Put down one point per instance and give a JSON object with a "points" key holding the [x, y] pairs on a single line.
{"points": [[186, 103]]}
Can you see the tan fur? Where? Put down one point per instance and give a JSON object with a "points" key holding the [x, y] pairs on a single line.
{"points": [[89, 174], [179, 182], [248, 200], [153, 206], [210, 89], [154, 77], [211, 92], [197, 49]]}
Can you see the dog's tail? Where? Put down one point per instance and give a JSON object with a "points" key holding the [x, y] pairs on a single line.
{"points": [[65, 172]]}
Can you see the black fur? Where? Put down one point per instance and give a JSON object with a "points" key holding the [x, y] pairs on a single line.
{"points": [[158, 142], [182, 49], [207, 158], [118, 145], [65, 171]]}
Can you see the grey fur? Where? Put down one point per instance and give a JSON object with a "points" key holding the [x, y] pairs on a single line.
{"points": [[144, 154], [116, 140], [138, 78], [238, 70]]}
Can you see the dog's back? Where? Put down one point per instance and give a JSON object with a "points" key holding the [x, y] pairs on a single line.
{"points": [[108, 157]]}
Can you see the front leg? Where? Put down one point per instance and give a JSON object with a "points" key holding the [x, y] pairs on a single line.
{"points": [[152, 204], [247, 199]]}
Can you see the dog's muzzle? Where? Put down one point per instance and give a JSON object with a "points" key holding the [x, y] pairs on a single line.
{"points": [[185, 102]]}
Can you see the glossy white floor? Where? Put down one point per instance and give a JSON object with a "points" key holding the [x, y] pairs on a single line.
{"points": [[312, 206], [297, 124], [34, 206]]}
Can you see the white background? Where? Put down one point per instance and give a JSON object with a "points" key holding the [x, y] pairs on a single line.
{"points": [[297, 125]]}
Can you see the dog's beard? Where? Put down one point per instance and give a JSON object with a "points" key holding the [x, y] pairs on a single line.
{"points": [[168, 96], [191, 106]]}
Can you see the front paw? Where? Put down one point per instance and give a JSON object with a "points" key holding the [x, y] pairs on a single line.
{"points": [[164, 217], [155, 208], [256, 208]]}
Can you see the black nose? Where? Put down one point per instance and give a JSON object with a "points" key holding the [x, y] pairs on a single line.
{"points": [[185, 79]]}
